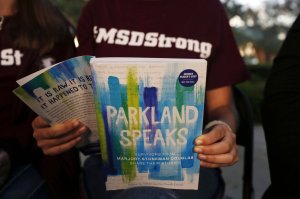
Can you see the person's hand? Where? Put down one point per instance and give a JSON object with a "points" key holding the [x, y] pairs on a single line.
{"points": [[59, 138], [217, 147]]}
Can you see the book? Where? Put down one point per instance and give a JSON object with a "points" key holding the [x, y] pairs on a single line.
{"points": [[149, 111], [143, 114], [62, 92]]}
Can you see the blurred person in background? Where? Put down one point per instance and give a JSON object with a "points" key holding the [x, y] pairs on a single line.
{"points": [[33, 34], [281, 118]]}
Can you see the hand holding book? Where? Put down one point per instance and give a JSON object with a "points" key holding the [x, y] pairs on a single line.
{"points": [[58, 138], [144, 112], [62, 94]]}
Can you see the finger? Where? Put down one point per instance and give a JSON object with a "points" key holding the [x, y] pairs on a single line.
{"points": [[62, 148], [49, 143], [212, 165], [39, 122], [57, 130], [217, 133], [228, 158], [221, 147]]}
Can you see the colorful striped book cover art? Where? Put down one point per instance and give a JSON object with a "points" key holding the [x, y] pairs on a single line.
{"points": [[149, 111], [63, 92]]}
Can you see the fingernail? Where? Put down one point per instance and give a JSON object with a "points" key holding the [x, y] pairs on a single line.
{"points": [[199, 141], [201, 156], [198, 149], [82, 129], [75, 123]]}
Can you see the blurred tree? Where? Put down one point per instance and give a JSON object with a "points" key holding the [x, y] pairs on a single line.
{"points": [[259, 32]]}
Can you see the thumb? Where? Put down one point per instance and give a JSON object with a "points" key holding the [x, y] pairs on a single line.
{"points": [[39, 122], [215, 134]]}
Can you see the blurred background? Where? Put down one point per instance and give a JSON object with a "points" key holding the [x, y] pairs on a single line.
{"points": [[259, 26]]}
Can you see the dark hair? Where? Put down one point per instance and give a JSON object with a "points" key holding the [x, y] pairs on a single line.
{"points": [[39, 25]]}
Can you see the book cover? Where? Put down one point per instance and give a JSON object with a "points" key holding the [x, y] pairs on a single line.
{"points": [[149, 111], [61, 92]]}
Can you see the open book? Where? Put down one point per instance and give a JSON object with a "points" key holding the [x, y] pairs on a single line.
{"points": [[62, 92], [145, 112]]}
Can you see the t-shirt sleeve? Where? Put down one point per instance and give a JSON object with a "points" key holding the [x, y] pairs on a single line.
{"points": [[226, 66], [85, 30]]}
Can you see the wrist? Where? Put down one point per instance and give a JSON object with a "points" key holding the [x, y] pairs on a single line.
{"points": [[217, 122]]}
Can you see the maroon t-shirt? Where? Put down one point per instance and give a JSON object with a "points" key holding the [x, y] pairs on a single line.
{"points": [[61, 172], [163, 28], [16, 62], [15, 124]]}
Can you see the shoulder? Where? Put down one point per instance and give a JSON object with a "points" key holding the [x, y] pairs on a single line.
{"points": [[213, 5], [89, 11], [91, 5], [210, 10]]}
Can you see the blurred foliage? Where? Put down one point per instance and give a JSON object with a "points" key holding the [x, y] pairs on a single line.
{"points": [[71, 9], [262, 27], [255, 86], [265, 27]]}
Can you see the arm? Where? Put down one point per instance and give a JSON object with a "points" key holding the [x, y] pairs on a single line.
{"points": [[5, 165], [54, 140], [217, 146]]}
